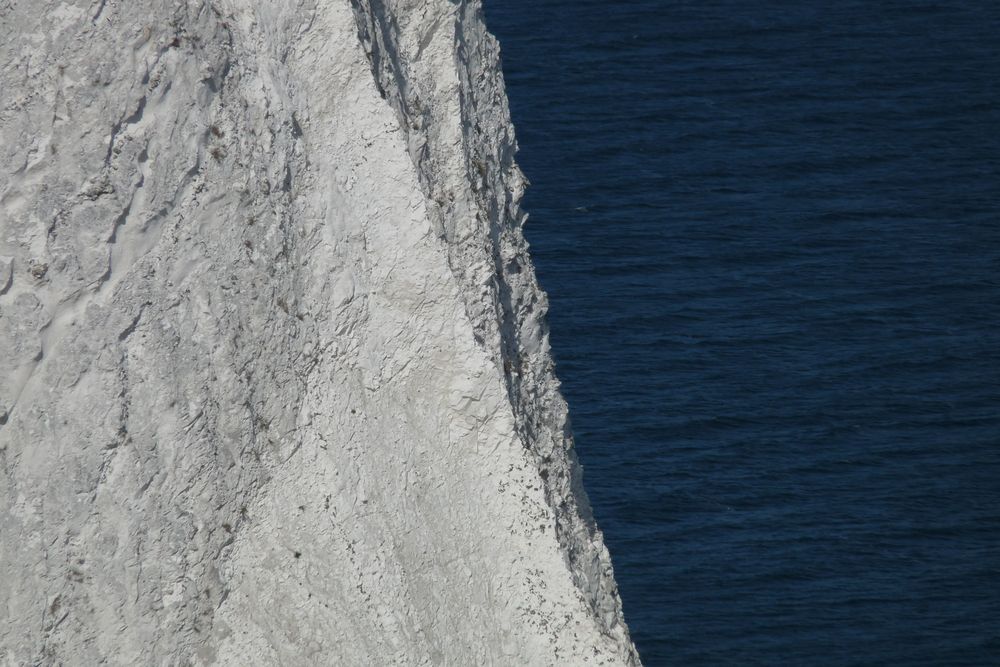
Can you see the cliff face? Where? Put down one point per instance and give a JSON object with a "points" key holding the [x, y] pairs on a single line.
{"points": [[276, 380]]}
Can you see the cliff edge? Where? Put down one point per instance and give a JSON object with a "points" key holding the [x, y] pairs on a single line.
{"points": [[276, 384]]}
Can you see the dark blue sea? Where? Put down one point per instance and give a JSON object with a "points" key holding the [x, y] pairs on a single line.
{"points": [[770, 233]]}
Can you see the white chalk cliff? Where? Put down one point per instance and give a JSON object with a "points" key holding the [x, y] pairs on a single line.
{"points": [[275, 383]]}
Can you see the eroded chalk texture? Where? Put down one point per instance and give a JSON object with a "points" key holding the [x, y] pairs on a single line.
{"points": [[275, 385]]}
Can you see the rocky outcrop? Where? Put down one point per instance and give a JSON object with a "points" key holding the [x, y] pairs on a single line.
{"points": [[277, 386]]}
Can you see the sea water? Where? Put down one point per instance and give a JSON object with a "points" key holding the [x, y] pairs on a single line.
{"points": [[770, 233]]}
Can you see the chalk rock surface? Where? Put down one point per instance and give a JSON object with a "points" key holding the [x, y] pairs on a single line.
{"points": [[275, 385]]}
